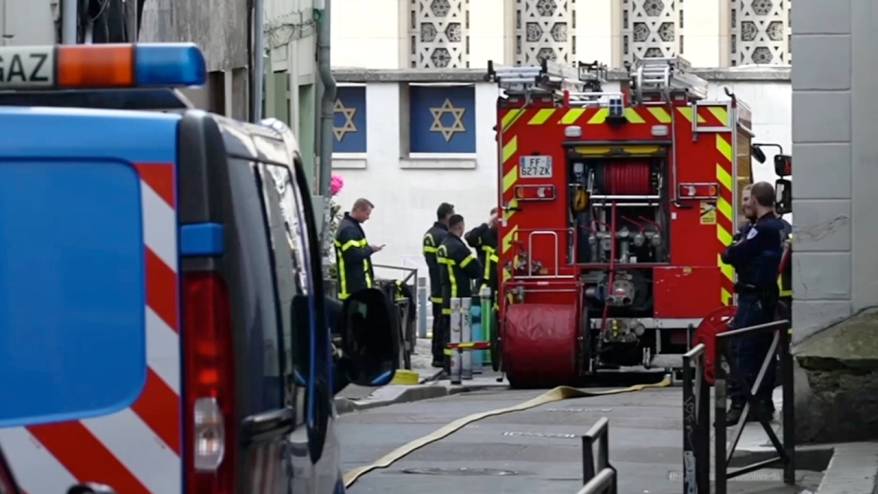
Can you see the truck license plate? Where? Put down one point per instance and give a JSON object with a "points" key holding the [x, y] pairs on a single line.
{"points": [[535, 167]]}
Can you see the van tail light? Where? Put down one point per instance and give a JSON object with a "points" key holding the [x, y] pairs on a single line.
{"points": [[210, 436]]}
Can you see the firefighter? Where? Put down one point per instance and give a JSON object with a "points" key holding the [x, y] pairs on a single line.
{"points": [[755, 257], [459, 268], [432, 240], [353, 252], [484, 239]]}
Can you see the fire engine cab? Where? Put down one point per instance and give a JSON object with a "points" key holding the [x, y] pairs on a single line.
{"points": [[616, 206]]}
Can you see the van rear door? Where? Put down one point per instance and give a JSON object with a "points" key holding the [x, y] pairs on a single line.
{"points": [[89, 299]]}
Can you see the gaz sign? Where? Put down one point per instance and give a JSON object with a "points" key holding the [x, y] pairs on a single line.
{"points": [[27, 66]]}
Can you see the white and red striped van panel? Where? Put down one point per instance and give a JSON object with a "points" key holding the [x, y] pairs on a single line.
{"points": [[136, 450]]}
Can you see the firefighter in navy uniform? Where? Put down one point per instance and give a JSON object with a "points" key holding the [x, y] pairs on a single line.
{"points": [[432, 240], [483, 238], [458, 269], [353, 253], [755, 257]]}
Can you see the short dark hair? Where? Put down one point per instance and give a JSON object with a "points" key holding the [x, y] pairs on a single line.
{"points": [[763, 193], [455, 220], [494, 210], [361, 204], [444, 210]]}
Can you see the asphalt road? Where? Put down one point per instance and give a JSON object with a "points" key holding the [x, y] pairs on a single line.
{"points": [[538, 450]]}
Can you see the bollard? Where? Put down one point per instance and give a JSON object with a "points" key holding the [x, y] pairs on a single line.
{"points": [[477, 335], [454, 337], [466, 335]]}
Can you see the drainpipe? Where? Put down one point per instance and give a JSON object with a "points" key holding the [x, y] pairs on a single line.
{"points": [[258, 61], [68, 21], [327, 101]]}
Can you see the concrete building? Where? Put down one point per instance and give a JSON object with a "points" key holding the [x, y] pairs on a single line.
{"points": [[402, 61], [835, 270]]}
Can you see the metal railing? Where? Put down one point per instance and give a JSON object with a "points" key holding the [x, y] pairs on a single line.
{"points": [[597, 476], [696, 416], [696, 423]]}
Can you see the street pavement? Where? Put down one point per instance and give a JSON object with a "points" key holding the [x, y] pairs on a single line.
{"points": [[537, 450]]}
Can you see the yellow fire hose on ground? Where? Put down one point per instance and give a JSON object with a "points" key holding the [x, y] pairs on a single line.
{"points": [[556, 394]]}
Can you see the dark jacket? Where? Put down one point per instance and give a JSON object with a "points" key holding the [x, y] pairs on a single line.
{"points": [[432, 240], [756, 255], [460, 268], [353, 254], [483, 238]]}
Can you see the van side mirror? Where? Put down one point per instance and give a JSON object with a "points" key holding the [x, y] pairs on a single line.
{"points": [[784, 196], [369, 338], [783, 165]]}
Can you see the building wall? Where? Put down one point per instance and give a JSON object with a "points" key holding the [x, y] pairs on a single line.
{"points": [[407, 191], [836, 160]]}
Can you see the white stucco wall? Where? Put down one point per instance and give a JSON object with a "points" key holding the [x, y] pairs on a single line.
{"points": [[406, 199]]}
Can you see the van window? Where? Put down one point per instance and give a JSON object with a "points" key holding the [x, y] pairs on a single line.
{"points": [[261, 354], [284, 211], [72, 289]]}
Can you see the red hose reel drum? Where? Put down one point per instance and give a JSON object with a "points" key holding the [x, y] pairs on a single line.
{"points": [[627, 178], [715, 323]]}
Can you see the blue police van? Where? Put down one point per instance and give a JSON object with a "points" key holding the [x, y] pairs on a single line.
{"points": [[163, 324]]}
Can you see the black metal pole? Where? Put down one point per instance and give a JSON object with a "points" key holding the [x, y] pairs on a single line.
{"points": [[691, 459], [720, 417], [789, 428], [587, 460], [703, 451]]}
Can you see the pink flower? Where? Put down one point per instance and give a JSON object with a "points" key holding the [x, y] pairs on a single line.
{"points": [[335, 184]]}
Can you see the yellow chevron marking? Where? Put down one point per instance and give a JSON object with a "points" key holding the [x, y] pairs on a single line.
{"points": [[599, 117], [510, 148], [572, 116], [724, 147], [510, 118], [511, 209], [726, 296], [687, 112], [541, 116], [725, 179], [724, 237], [509, 238], [721, 114], [725, 208], [510, 178], [660, 114], [633, 117]]}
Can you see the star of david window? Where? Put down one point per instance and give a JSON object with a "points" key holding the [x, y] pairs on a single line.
{"points": [[545, 30], [650, 28], [439, 34], [760, 32]]}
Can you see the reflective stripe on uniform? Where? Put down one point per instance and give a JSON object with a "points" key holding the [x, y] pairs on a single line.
{"points": [[446, 312], [466, 262], [436, 300], [430, 250], [490, 256]]}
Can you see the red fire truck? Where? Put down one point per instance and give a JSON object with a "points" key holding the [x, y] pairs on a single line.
{"points": [[616, 204]]}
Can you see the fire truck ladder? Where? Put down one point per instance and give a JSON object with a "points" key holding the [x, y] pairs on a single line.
{"points": [[666, 77], [548, 78]]}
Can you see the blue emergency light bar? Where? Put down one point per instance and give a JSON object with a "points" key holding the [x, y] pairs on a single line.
{"points": [[102, 66]]}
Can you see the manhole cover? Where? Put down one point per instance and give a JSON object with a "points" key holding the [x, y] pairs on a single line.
{"points": [[462, 471]]}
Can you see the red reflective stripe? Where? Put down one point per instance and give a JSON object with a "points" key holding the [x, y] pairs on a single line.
{"points": [[85, 457], [159, 407], [161, 289], [160, 178]]}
